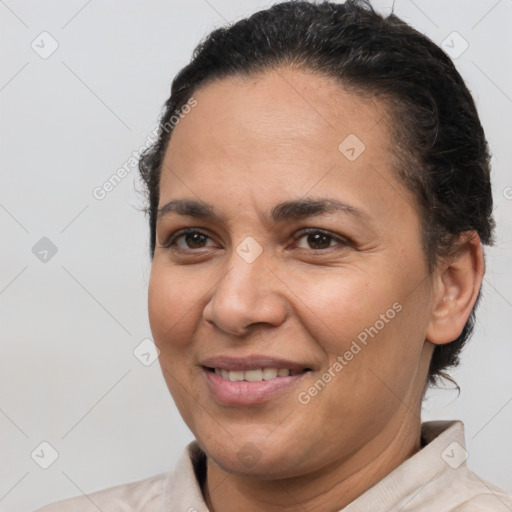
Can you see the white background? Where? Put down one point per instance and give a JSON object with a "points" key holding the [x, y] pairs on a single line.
{"points": [[69, 326]]}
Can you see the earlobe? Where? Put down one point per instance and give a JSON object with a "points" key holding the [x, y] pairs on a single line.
{"points": [[457, 284]]}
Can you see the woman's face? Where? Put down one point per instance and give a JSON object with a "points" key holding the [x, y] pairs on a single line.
{"points": [[305, 256]]}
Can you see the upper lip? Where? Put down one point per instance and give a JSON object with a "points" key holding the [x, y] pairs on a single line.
{"points": [[230, 363]]}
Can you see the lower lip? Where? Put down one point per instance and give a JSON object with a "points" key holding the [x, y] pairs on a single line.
{"points": [[248, 393]]}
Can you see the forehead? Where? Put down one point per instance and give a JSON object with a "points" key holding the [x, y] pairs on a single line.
{"points": [[288, 130], [281, 105]]}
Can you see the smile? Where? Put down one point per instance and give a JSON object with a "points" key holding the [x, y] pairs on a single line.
{"points": [[251, 386], [254, 374]]}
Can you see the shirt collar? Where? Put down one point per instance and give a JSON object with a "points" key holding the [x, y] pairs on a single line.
{"points": [[445, 451]]}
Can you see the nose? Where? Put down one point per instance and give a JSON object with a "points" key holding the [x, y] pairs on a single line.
{"points": [[247, 294]]}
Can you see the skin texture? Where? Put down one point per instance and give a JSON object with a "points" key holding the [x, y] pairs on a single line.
{"points": [[250, 143]]}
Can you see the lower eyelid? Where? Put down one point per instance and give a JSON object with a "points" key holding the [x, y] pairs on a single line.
{"points": [[337, 242]]}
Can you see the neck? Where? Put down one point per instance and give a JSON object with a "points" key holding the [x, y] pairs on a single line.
{"points": [[329, 489]]}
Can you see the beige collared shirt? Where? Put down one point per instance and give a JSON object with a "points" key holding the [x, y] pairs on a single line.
{"points": [[435, 479]]}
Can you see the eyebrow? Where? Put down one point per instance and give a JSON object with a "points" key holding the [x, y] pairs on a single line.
{"points": [[294, 209]]}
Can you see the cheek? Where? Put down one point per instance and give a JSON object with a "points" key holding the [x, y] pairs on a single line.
{"points": [[172, 307], [372, 322], [171, 317], [341, 304]]}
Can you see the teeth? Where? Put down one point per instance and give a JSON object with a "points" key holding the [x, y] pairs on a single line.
{"points": [[269, 373], [235, 376], [253, 375], [256, 375]]}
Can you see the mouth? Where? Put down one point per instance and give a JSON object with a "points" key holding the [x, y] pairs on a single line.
{"points": [[249, 381], [255, 374], [252, 379]]}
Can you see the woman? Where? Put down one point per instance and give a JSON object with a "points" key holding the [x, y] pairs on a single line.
{"points": [[318, 199]]}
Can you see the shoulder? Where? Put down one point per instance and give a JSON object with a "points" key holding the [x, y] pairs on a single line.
{"points": [[437, 478], [140, 495], [486, 503], [461, 490], [174, 490], [483, 496]]}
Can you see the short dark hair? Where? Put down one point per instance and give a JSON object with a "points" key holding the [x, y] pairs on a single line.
{"points": [[443, 155]]}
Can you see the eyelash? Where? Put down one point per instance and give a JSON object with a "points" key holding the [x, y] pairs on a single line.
{"points": [[171, 241]]}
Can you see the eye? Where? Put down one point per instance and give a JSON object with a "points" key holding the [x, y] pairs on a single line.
{"points": [[191, 238], [319, 239]]}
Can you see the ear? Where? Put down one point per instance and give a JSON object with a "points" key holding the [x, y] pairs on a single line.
{"points": [[457, 283]]}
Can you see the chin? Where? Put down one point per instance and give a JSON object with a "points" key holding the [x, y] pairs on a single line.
{"points": [[252, 455]]}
